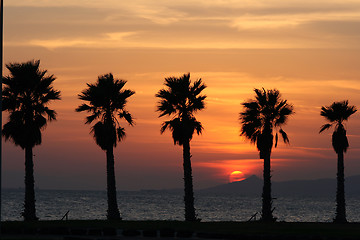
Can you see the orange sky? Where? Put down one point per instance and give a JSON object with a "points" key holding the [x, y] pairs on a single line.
{"points": [[308, 50]]}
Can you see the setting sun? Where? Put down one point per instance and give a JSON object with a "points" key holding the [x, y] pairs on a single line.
{"points": [[236, 176]]}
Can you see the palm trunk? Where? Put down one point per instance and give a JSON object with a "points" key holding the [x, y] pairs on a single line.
{"points": [[266, 214], [188, 182], [113, 210], [29, 213], [340, 191]]}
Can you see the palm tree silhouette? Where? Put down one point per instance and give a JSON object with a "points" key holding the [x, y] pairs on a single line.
{"points": [[336, 114], [260, 118], [181, 99], [107, 100], [26, 95]]}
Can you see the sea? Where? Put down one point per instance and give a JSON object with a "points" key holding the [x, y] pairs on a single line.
{"points": [[169, 205]]}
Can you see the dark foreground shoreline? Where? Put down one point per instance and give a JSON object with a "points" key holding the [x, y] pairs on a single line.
{"points": [[101, 229]]}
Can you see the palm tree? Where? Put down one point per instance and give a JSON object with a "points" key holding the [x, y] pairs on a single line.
{"points": [[260, 119], [106, 104], [336, 114], [181, 99], [26, 95]]}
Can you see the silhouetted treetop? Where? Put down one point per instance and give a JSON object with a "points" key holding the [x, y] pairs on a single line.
{"points": [[181, 100], [180, 97], [107, 100], [336, 114], [265, 113], [27, 93]]}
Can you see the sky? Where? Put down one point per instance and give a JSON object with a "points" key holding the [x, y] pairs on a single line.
{"points": [[308, 50]]}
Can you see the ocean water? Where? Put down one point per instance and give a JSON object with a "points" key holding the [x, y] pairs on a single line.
{"points": [[163, 205]]}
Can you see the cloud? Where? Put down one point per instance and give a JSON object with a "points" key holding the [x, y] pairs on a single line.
{"points": [[220, 24], [108, 40], [263, 23], [56, 43]]}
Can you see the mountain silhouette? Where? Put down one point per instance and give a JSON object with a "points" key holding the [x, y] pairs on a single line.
{"points": [[252, 186]]}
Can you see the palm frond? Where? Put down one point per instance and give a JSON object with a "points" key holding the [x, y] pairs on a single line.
{"points": [[261, 97], [197, 87], [121, 134], [283, 113], [325, 127], [181, 99], [165, 108], [49, 96], [84, 107], [338, 111], [250, 128], [51, 114], [273, 98], [165, 125], [175, 126], [329, 114], [284, 136], [195, 126], [127, 116], [197, 103], [92, 117]]}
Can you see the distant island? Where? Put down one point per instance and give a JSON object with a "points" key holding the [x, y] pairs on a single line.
{"points": [[252, 186]]}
